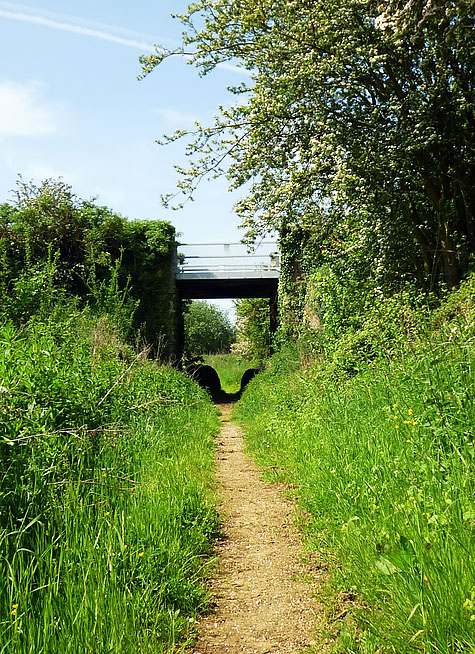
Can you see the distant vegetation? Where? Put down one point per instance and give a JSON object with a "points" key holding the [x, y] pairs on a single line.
{"points": [[253, 337], [230, 369], [208, 330]]}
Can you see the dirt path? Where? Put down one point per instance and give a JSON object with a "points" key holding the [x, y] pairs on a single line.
{"points": [[262, 603]]}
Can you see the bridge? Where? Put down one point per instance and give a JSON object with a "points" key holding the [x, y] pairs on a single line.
{"points": [[227, 270]]}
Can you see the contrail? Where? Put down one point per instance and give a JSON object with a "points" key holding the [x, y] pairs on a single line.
{"points": [[26, 16], [76, 29]]}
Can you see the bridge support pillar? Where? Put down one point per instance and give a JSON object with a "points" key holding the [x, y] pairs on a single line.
{"points": [[273, 316], [180, 332]]}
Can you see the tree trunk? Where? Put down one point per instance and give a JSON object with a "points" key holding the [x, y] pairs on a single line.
{"points": [[425, 242], [437, 193], [450, 260]]}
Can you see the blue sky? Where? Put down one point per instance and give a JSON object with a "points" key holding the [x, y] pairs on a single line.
{"points": [[71, 106]]}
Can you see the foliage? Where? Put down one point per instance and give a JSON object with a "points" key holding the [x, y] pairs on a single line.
{"points": [[253, 337], [54, 245], [383, 461], [106, 515], [105, 509], [208, 330], [148, 261], [352, 325], [356, 120]]}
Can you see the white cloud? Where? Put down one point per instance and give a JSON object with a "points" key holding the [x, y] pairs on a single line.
{"points": [[234, 69], [23, 112]]}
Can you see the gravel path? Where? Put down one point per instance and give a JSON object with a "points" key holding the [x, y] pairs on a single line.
{"points": [[262, 602]]}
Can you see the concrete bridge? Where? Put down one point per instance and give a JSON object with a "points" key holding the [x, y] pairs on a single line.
{"points": [[229, 270]]}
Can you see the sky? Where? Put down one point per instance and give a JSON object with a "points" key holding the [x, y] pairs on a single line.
{"points": [[71, 106]]}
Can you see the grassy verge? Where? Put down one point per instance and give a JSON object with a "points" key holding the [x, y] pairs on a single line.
{"points": [[107, 517], [384, 463], [230, 369]]}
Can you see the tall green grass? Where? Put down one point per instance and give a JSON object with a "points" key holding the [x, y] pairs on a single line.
{"points": [[107, 517], [384, 464]]}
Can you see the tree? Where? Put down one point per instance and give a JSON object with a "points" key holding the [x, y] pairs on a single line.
{"points": [[358, 118], [253, 336], [208, 330]]}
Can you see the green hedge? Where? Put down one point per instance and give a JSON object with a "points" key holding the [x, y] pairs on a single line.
{"points": [[53, 245]]}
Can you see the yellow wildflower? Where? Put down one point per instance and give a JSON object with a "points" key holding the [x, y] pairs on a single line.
{"points": [[141, 553], [410, 412]]}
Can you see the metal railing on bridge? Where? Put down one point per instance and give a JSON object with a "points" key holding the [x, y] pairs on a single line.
{"points": [[225, 260]]}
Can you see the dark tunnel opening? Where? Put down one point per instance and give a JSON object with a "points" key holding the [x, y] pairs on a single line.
{"points": [[207, 377]]}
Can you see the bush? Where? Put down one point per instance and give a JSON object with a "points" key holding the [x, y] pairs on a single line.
{"points": [[55, 245]]}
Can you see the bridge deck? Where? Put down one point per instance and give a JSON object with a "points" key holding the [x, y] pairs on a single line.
{"points": [[223, 270], [213, 288]]}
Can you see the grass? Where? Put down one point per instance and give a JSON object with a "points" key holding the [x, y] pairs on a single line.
{"points": [[107, 518], [230, 369], [384, 464]]}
